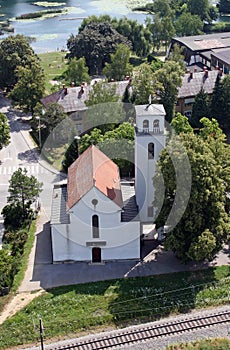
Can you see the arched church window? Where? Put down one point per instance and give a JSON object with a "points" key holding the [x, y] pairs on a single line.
{"points": [[156, 123], [95, 226], [151, 150], [146, 125]]}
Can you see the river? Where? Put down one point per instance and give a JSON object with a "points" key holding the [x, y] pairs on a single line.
{"points": [[52, 33]]}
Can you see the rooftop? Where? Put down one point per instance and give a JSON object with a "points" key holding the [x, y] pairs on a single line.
{"points": [[194, 81], [130, 209], [150, 109], [223, 55], [58, 213], [205, 42], [93, 169]]}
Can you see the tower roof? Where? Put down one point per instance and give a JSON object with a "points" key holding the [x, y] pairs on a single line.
{"points": [[150, 110], [93, 169]]}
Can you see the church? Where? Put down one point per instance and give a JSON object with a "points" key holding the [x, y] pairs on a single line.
{"points": [[97, 216]]}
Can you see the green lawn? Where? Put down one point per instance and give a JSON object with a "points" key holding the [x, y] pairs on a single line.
{"points": [[54, 64], [66, 311]]}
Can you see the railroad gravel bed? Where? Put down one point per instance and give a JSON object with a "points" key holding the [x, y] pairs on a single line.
{"points": [[217, 331]]}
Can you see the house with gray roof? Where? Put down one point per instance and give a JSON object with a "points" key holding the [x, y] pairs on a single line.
{"points": [[192, 83], [199, 48]]}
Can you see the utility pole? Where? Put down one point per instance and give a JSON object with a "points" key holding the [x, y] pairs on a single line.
{"points": [[41, 333]]}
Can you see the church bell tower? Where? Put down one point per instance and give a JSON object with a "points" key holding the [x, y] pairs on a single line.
{"points": [[149, 141]]}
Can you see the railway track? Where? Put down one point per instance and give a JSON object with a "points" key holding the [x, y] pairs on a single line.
{"points": [[132, 336]]}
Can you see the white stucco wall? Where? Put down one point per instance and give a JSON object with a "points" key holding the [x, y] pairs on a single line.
{"points": [[120, 240], [145, 170]]}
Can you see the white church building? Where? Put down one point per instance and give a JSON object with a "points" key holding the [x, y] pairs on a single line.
{"points": [[96, 216]]}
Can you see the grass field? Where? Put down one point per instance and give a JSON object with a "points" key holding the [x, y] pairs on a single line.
{"points": [[54, 64], [67, 311]]}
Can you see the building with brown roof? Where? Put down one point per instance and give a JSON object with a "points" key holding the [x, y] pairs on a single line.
{"points": [[94, 215]]}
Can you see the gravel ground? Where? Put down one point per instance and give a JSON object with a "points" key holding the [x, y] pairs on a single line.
{"points": [[219, 331]]}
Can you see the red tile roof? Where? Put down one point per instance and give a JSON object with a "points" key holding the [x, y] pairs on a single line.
{"points": [[93, 169]]}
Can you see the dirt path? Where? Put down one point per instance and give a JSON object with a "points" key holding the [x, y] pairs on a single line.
{"points": [[18, 302]]}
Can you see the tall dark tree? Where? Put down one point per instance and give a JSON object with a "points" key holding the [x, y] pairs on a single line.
{"points": [[220, 105], [96, 42], [200, 108]]}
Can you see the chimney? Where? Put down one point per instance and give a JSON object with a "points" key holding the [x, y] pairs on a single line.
{"points": [[206, 73], [195, 70], [65, 91], [190, 75], [72, 84], [204, 68], [127, 77], [217, 67]]}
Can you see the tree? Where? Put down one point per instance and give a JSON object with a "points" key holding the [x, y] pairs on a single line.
{"points": [[136, 33], [24, 191], [143, 84], [188, 24], [15, 52], [224, 6], [200, 108], [181, 124], [200, 8], [220, 104], [119, 66], [30, 85], [162, 30], [96, 42], [104, 109], [205, 219], [168, 79], [77, 71], [4, 131]]}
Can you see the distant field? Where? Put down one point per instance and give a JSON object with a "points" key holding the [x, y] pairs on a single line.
{"points": [[71, 310], [54, 64]]}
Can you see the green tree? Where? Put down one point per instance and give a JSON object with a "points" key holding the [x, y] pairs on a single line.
{"points": [[104, 109], [54, 114], [200, 108], [136, 33], [188, 24], [205, 219], [30, 86], [4, 131], [119, 66], [96, 42], [220, 104], [143, 84], [168, 79], [181, 124], [162, 30], [203, 9], [15, 52], [23, 191], [224, 6], [77, 71], [204, 247]]}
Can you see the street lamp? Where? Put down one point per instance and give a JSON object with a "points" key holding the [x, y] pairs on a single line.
{"points": [[77, 138], [39, 129], [39, 132]]}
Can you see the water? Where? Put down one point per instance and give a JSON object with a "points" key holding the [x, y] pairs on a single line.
{"points": [[52, 33]]}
